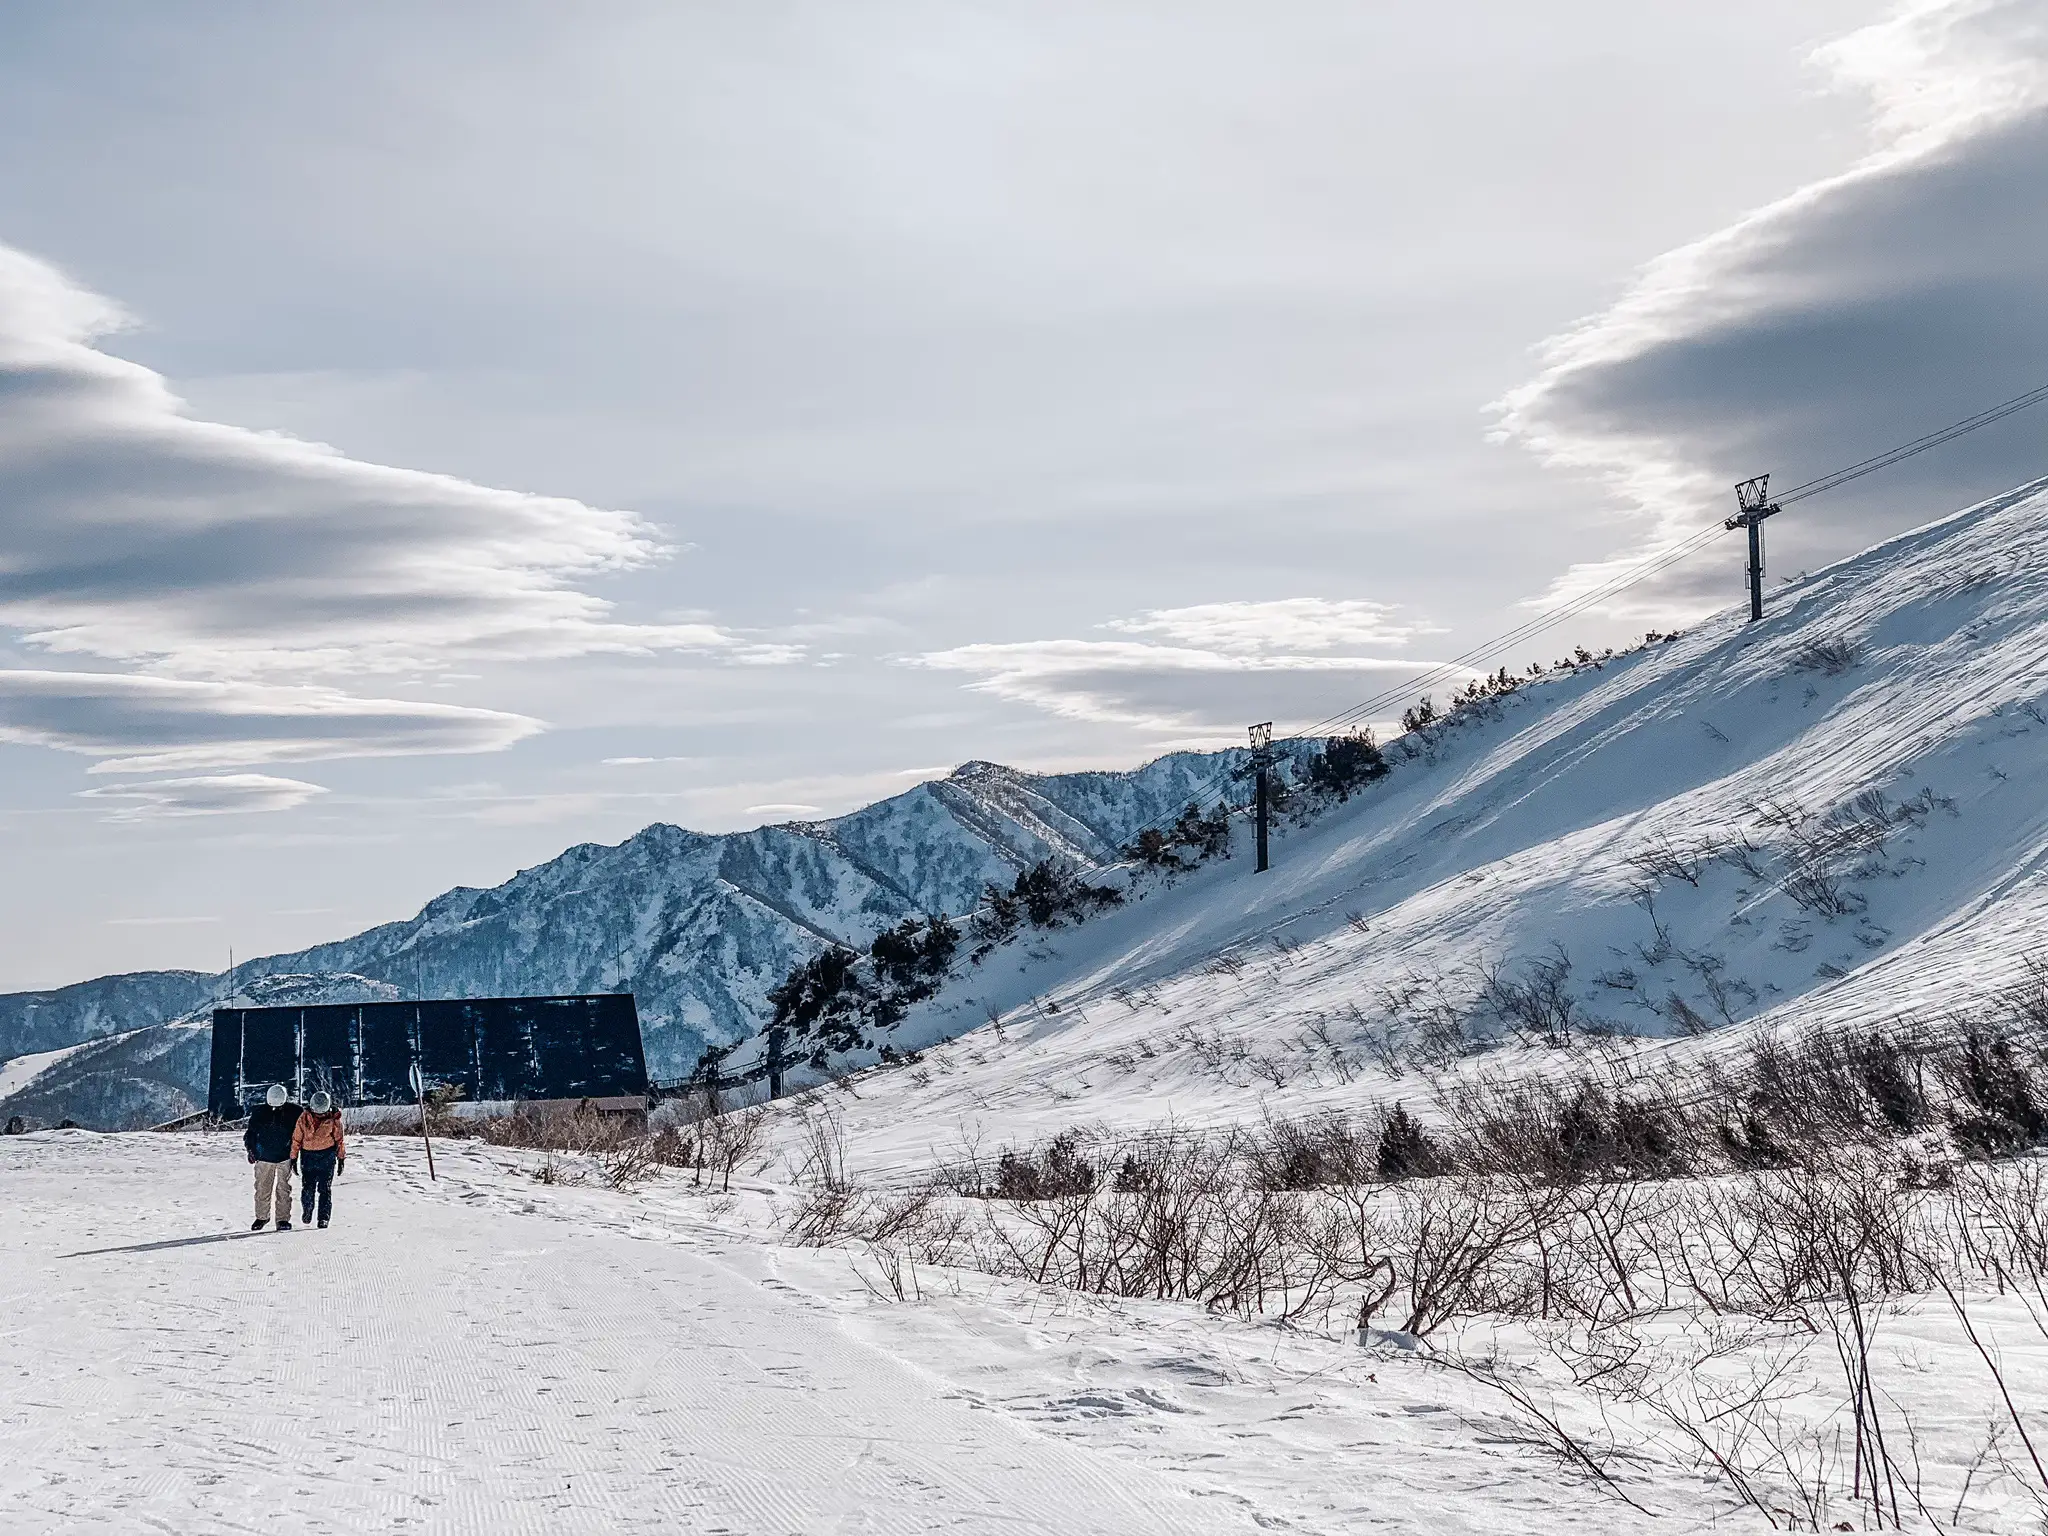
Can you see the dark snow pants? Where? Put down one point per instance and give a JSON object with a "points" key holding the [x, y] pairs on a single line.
{"points": [[316, 1177]]}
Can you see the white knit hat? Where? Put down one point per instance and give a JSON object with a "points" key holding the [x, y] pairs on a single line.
{"points": [[275, 1095], [322, 1103]]}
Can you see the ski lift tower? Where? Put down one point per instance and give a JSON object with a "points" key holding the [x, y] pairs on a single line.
{"points": [[1754, 504]]}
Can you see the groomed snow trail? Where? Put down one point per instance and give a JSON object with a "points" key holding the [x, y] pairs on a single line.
{"points": [[441, 1363]]}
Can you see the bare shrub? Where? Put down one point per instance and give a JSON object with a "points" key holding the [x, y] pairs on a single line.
{"points": [[1563, 1132], [2000, 1218], [1310, 1153], [626, 1163], [1824, 1088], [725, 1141], [1538, 1003], [1819, 854], [1830, 655], [1427, 1015], [578, 1128], [1664, 857], [1456, 1248]]}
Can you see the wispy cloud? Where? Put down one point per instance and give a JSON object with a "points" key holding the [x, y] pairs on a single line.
{"points": [[210, 795], [195, 553], [1232, 662], [143, 724], [1289, 624]]}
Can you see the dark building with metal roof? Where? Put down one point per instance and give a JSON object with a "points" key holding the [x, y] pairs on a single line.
{"points": [[491, 1048]]}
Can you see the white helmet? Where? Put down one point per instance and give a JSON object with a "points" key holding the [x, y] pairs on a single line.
{"points": [[275, 1096], [322, 1103]]}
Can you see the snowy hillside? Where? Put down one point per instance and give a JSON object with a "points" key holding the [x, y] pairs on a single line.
{"points": [[698, 926], [44, 1021], [1840, 813]]}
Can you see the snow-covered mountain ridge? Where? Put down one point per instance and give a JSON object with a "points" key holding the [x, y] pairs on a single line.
{"points": [[1838, 814], [699, 926]]}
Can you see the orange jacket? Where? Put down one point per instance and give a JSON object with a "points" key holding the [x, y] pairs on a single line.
{"points": [[316, 1133]]}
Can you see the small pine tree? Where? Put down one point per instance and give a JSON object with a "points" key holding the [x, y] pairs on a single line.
{"points": [[1420, 716], [1347, 763], [1750, 1145], [1892, 1088], [2001, 1110], [1405, 1150]]}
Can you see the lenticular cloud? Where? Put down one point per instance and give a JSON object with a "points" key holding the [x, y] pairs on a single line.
{"points": [[130, 531], [1856, 313], [133, 535], [208, 795]]}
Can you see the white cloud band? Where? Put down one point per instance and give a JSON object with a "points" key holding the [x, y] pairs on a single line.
{"points": [[210, 795], [154, 724], [1236, 662]]}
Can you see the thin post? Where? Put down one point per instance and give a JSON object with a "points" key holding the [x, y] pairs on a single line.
{"points": [[1262, 751], [419, 1088], [426, 1140], [1756, 570], [775, 1063]]}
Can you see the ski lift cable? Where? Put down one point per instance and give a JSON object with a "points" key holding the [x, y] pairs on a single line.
{"points": [[1919, 445], [1457, 665], [1662, 560], [1699, 540], [1526, 630]]}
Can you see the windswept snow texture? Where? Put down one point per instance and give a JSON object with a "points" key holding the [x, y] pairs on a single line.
{"points": [[486, 1354], [1838, 814]]}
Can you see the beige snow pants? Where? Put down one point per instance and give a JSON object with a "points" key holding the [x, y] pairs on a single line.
{"points": [[273, 1191]]}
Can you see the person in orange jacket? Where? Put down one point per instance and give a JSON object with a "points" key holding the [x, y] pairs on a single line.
{"points": [[319, 1152]]}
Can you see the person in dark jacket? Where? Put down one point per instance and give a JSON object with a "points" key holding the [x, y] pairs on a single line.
{"points": [[268, 1141], [319, 1152]]}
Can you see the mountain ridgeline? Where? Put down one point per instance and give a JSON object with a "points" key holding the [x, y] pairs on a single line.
{"points": [[702, 927]]}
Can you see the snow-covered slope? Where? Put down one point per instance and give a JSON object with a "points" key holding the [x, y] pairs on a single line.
{"points": [[46, 1021], [698, 926], [1838, 813]]}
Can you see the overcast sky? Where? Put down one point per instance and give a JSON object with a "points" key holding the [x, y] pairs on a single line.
{"points": [[431, 436]]}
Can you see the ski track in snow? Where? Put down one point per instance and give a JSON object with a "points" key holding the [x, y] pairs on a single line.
{"points": [[487, 1354]]}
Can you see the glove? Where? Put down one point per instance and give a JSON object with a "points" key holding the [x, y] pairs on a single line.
{"points": [[252, 1159], [340, 1166], [295, 1165]]}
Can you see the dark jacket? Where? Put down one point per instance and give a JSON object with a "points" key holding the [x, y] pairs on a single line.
{"points": [[269, 1136]]}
